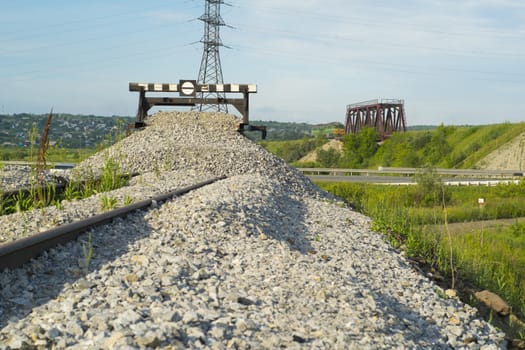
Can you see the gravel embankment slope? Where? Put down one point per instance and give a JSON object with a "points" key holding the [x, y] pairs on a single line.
{"points": [[510, 156], [262, 260]]}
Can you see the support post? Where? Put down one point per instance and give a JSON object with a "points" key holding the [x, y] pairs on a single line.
{"points": [[142, 110]]}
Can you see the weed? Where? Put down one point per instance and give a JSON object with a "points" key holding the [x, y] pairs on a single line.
{"points": [[41, 195], [33, 135], [156, 170], [168, 164], [89, 188], [501, 282], [128, 200], [58, 204], [87, 249], [44, 195], [23, 202], [26, 224], [42, 150], [112, 178], [108, 202], [84, 189], [3, 204], [518, 229], [71, 191], [472, 300], [449, 236], [441, 293]]}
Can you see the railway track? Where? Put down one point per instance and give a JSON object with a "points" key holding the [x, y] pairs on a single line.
{"points": [[15, 254], [261, 259]]}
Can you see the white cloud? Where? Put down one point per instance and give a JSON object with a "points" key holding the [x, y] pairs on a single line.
{"points": [[309, 57]]}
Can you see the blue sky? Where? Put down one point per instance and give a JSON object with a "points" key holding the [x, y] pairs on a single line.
{"points": [[452, 61]]}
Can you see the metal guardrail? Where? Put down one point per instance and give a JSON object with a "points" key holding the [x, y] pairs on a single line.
{"points": [[55, 165], [411, 172]]}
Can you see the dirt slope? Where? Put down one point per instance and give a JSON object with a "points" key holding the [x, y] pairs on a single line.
{"points": [[312, 156], [510, 156]]}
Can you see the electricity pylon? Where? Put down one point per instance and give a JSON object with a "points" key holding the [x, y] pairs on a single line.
{"points": [[210, 71]]}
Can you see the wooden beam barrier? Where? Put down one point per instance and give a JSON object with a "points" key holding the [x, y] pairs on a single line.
{"points": [[191, 87], [188, 90]]}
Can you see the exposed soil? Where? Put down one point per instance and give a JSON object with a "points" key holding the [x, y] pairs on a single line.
{"points": [[510, 156], [312, 156]]}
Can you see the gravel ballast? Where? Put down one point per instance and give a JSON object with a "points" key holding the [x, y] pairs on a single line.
{"points": [[262, 259]]}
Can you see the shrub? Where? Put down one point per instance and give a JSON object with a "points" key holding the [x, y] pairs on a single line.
{"points": [[328, 158], [430, 190]]}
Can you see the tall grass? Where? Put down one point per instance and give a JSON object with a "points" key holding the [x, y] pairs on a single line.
{"points": [[41, 195], [490, 258]]}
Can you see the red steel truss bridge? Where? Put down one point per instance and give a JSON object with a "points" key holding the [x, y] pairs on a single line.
{"points": [[385, 116]]}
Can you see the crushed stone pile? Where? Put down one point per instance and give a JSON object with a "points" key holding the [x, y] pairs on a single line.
{"points": [[262, 259]]}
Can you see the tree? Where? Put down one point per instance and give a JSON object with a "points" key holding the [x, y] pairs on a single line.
{"points": [[438, 147], [328, 158], [358, 149], [430, 190]]}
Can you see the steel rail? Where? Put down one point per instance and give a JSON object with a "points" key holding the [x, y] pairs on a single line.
{"points": [[16, 253]]}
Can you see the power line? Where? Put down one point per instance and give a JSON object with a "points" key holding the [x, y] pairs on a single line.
{"points": [[334, 38], [95, 65], [79, 24], [430, 72], [331, 18], [96, 38]]}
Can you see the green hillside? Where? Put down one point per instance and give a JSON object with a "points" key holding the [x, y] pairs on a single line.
{"points": [[67, 130], [438, 146], [442, 146], [288, 131], [293, 150], [446, 146]]}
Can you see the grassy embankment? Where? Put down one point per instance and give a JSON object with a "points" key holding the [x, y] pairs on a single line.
{"points": [[442, 147], [445, 147], [417, 218], [425, 220], [55, 155], [293, 150]]}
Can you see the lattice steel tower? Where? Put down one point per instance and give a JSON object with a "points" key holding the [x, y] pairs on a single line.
{"points": [[210, 71]]}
